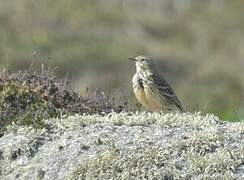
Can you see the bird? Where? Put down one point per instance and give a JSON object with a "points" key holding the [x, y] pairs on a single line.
{"points": [[151, 89]]}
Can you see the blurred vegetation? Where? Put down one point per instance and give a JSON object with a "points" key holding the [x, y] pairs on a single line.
{"points": [[198, 45], [27, 98]]}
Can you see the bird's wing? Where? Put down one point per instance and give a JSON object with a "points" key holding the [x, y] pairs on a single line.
{"points": [[166, 91]]}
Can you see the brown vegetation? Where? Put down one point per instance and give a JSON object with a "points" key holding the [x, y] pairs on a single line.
{"points": [[27, 98]]}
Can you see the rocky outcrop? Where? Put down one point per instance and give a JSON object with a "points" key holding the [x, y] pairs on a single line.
{"points": [[161, 146]]}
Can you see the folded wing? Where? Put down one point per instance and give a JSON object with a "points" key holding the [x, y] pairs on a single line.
{"points": [[166, 92]]}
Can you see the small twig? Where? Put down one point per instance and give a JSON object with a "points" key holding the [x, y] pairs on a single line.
{"points": [[42, 71], [65, 81]]}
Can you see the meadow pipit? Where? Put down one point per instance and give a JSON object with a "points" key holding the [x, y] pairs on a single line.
{"points": [[151, 89]]}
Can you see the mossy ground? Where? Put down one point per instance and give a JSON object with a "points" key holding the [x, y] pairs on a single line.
{"points": [[125, 146], [194, 146]]}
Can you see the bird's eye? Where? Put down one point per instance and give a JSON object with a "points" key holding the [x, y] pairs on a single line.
{"points": [[143, 60]]}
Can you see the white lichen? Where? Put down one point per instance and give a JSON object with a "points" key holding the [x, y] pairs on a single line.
{"points": [[125, 146]]}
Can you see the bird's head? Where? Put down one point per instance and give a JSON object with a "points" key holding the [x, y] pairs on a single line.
{"points": [[142, 62]]}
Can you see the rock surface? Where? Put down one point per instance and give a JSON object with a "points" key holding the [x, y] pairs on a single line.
{"points": [[125, 146]]}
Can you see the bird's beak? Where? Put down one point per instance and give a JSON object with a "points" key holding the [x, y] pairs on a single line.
{"points": [[132, 58]]}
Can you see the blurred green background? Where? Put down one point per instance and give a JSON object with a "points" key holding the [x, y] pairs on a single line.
{"points": [[198, 45]]}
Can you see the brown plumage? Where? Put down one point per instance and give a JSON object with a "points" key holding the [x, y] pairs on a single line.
{"points": [[151, 89]]}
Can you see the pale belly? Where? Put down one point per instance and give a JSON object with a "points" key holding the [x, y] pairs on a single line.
{"points": [[148, 100], [153, 101]]}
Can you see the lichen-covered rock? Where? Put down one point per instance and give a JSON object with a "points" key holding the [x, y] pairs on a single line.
{"points": [[125, 146]]}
